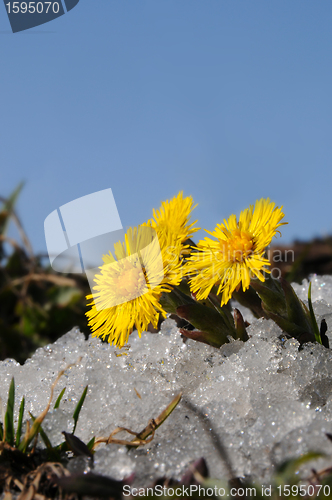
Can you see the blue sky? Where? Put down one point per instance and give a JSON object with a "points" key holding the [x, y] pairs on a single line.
{"points": [[227, 100]]}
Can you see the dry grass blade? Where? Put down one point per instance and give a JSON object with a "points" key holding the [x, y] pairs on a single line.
{"points": [[136, 442], [27, 431], [57, 280], [30, 490], [36, 424], [9, 240], [319, 475], [142, 437], [19, 485], [27, 493], [52, 452], [137, 393], [8, 206], [19, 226], [160, 419], [7, 493], [34, 482], [196, 472]]}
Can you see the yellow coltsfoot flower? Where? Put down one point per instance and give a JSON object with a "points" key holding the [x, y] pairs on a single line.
{"points": [[237, 254], [129, 285], [172, 220]]}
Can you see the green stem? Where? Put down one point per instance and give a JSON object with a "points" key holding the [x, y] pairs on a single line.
{"points": [[313, 317]]}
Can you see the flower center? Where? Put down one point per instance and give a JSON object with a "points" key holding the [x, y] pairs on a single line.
{"points": [[239, 246], [130, 282]]}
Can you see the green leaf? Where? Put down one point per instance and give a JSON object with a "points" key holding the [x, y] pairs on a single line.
{"points": [[9, 416], [297, 312], [199, 336], [251, 300], [91, 443], [171, 300], [77, 446], [78, 408], [322, 333], [207, 320], [271, 294], [23, 446], [281, 303], [313, 317], [52, 452], [33, 432], [286, 471], [240, 326], [295, 331], [57, 403], [184, 287], [36, 426], [225, 312], [19, 425]]}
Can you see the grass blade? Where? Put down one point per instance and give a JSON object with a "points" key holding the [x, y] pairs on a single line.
{"points": [[91, 443], [147, 431], [313, 317], [9, 416], [53, 454], [9, 205], [31, 433], [19, 425], [286, 471], [57, 403], [78, 408]]}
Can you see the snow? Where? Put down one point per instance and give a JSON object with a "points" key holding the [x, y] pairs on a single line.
{"points": [[264, 399]]}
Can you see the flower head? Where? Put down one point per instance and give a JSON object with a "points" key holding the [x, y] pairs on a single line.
{"points": [[172, 220], [237, 254], [128, 287]]}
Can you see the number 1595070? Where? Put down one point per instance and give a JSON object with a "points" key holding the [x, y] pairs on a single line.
{"points": [[32, 7]]}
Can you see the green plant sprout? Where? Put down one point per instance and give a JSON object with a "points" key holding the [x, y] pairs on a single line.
{"points": [[22, 449]]}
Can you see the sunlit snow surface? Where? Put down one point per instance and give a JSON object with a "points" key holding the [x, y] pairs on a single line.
{"points": [[265, 400]]}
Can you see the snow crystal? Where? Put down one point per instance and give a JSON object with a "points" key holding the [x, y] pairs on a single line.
{"points": [[261, 401]]}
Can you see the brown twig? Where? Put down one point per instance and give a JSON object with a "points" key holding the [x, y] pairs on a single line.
{"points": [[19, 225], [143, 436], [135, 442], [58, 280]]}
